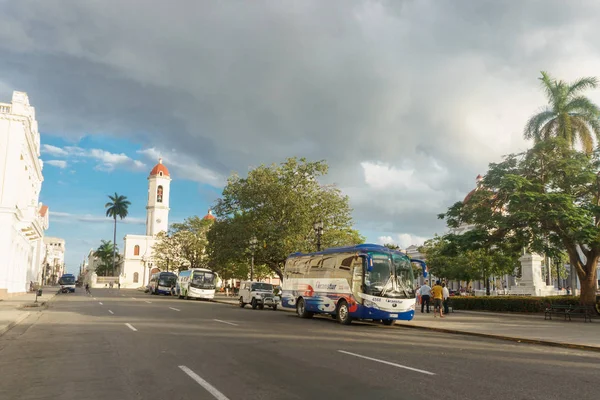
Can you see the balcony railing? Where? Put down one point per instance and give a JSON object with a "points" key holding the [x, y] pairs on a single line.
{"points": [[5, 108]]}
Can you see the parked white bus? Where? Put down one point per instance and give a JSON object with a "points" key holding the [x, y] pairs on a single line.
{"points": [[197, 283]]}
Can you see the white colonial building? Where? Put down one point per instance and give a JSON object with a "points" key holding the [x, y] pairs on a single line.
{"points": [[137, 264], [54, 260], [23, 220]]}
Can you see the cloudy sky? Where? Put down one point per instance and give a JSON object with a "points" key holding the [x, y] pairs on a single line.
{"points": [[407, 100]]}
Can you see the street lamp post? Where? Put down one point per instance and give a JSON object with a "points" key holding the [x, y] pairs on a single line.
{"points": [[318, 227], [253, 244]]}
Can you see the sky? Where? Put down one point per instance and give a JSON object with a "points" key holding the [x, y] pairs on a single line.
{"points": [[408, 101]]}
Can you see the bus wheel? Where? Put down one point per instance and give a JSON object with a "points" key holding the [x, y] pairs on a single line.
{"points": [[301, 309], [388, 322], [242, 304], [342, 312]]}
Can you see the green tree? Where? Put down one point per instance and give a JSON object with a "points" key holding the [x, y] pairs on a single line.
{"points": [[117, 207], [184, 246], [569, 115], [278, 204], [104, 253], [546, 200]]}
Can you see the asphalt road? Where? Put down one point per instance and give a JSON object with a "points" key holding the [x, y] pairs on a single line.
{"points": [[129, 345]]}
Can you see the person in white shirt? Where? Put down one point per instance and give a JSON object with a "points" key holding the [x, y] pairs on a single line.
{"points": [[425, 295], [446, 295]]}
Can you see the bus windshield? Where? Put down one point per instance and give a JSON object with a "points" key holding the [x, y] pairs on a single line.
{"points": [[390, 276], [404, 275], [167, 280], [67, 280], [203, 280]]}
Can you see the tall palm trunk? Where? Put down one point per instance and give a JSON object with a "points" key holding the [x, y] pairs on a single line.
{"points": [[114, 247]]}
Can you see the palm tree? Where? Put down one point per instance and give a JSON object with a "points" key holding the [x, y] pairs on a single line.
{"points": [[569, 115], [104, 253], [116, 207]]}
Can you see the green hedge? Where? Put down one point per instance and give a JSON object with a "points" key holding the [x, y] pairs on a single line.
{"points": [[521, 304]]}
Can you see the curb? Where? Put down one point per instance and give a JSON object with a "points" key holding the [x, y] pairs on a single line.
{"points": [[507, 338], [14, 323]]}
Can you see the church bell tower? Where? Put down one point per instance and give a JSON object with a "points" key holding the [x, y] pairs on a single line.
{"points": [[157, 209]]}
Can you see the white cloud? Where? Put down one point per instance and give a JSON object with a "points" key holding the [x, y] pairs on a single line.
{"points": [[62, 164], [53, 150], [403, 240], [184, 167], [107, 161], [57, 216]]}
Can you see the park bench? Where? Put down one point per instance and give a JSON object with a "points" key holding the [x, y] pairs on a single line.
{"points": [[567, 311]]}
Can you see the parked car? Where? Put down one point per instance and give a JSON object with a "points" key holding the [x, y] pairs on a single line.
{"points": [[258, 295]]}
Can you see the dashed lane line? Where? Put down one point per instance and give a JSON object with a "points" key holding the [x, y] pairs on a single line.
{"points": [[131, 327], [209, 388], [225, 322], [387, 363], [110, 312], [176, 309]]}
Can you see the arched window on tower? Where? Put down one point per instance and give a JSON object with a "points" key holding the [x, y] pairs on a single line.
{"points": [[159, 194], [136, 250], [136, 277]]}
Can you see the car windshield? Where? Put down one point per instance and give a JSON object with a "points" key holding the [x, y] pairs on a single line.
{"points": [[203, 279], [262, 286]]}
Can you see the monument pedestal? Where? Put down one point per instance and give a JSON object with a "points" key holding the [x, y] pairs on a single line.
{"points": [[531, 282]]}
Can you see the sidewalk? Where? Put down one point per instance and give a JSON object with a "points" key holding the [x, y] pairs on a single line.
{"points": [[530, 328], [17, 308], [520, 328]]}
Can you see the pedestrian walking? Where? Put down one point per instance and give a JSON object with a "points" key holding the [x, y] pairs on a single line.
{"points": [[438, 295], [446, 297], [425, 295]]}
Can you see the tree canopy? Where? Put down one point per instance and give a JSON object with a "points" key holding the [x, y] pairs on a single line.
{"points": [[278, 205], [104, 253], [184, 246], [569, 115], [546, 200]]}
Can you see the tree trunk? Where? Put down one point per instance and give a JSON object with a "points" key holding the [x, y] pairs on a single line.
{"points": [[114, 246], [588, 286]]}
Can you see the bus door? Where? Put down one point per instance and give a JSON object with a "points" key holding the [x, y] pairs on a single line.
{"points": [[358, 276]]}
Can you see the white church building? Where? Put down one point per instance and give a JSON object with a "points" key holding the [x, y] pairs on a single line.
{"points": [[137, 264], [23, 219]]}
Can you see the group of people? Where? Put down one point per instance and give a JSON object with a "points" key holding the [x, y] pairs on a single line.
{"points": [[440, 294]]}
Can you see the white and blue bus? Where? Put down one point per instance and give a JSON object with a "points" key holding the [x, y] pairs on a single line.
{"points": [[197, 283], [162, 283], [67, 283], [366, 281]]}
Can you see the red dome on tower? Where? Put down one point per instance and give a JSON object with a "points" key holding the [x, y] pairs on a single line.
{"points": [[209, 215], [158, 168]]}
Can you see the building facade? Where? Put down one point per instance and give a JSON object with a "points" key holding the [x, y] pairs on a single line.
{"points": [[137, 262], [23, 219], [54, 260]]}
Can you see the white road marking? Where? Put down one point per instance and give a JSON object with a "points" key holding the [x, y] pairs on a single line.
{"points": [[131, 327], [176, 309], [387, 362], [209, 388], [225, 322], [149, 302], [95, 298], [134, 298], [123, 295], [110, 312], [100, 303]]}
